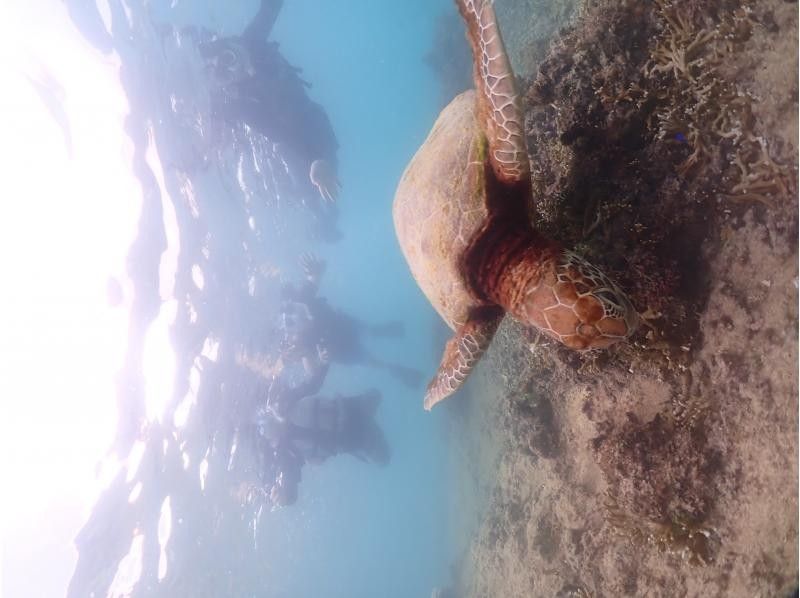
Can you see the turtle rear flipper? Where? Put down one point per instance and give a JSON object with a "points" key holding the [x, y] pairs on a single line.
{"points": [[462, 352], [499, 103]]}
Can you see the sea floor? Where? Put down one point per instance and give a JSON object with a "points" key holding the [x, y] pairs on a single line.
{"points": [[666, 467]]}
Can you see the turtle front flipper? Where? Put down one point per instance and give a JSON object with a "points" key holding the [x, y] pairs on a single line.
{"points": [[499, 104], [462, 352]]}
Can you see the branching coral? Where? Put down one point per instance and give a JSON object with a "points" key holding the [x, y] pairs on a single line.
{"points": [[761, 179], [703, 110], [680, 50]]}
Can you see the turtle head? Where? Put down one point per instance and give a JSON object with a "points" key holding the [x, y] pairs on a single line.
{"points": [[578, 305]]}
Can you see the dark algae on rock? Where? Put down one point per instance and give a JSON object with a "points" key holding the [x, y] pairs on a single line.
{"points": [[643, 145], [663, 145]]}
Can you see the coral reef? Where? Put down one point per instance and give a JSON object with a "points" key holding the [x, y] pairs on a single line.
{"points": [[657, 468], [679, 535], [705, 110], [663, 143], [635, 139]]}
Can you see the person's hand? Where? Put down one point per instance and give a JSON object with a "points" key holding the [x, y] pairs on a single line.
{"points": [[275, 495], [322, 353], [324, 178], [313, 267]]}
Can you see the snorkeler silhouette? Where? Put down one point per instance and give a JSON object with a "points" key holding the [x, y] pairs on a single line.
{"points": [[254, 84], [315, 322], [295, 427]]}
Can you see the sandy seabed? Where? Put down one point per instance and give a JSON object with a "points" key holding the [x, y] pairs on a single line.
{"points": [[669, 466]]}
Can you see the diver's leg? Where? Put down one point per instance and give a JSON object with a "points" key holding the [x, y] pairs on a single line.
{"points": [[391, 329], [411, 377]]}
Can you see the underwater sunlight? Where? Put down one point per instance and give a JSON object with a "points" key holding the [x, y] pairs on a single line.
{"points": [[70, 216], [427, 298]]}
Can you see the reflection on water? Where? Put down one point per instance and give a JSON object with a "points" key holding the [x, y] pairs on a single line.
{"points": [[222, 336]]}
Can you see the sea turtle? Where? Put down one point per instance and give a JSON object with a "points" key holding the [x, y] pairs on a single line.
{"points": [[461, 216]]}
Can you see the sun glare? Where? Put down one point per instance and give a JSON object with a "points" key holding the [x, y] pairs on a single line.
{"points": [[70, 211]]}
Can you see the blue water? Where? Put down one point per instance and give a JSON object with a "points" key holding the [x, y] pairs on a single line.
{"points": [[356, 530], [366, 532]]}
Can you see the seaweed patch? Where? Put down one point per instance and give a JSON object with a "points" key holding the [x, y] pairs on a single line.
{"points": [[679, 534]]}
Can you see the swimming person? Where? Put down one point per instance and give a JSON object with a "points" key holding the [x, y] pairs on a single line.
{"points": [[254, 84], [296, 427], [316, 322]]}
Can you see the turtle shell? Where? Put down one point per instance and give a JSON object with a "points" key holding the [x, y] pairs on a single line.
{"points": [[440, 205]]}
